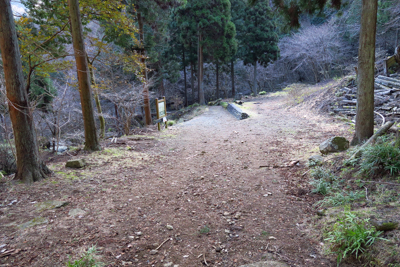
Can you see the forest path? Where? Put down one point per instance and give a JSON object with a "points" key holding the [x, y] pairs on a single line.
{"points": [[192, 195], [218, 158]]}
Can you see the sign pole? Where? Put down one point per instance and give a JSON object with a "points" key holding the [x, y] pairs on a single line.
{"points": [[158, 115], [165, 108]]}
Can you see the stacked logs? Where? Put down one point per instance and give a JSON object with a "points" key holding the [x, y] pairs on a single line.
{"points": [[387, 98]]}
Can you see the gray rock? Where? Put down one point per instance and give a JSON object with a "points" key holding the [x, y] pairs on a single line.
{"points": [[384, 225], [315, 160], [170, 227], [62, 149], [266, 264], [51, 204], [334, 144], [153, 252], [76, 163], [76, 212], [33, 222]]}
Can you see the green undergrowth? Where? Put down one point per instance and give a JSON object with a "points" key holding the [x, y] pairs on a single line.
{"points": [[88, 259], [355, 195], [351, 235]]}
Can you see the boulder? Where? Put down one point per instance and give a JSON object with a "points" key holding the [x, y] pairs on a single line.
{"points": [[76, 163], [334, 144]]}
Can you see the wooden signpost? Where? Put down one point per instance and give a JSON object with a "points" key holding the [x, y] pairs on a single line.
{"points": [[161, 107]]}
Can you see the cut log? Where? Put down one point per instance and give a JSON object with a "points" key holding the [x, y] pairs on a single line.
{"points": [[350, 102], [373, 138], [390, 84], [383, 92], [380, 86], [348, 90], [237, 112], [390, 79]]}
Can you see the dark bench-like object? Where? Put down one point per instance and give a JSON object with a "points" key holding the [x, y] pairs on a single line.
{"points": [[237, 112]]}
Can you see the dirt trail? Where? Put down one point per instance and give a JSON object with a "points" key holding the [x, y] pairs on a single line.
{"points": [[198, 183]]}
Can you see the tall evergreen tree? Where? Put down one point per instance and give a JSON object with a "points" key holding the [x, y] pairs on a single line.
{"points": [[366, 67], [238, 8], [91, 139], [209, 19], [224, 48], [260, 41]]}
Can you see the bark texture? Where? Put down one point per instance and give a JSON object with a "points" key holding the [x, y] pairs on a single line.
{"points": [[202, 100], [184, 77], [146, 93], [233, 79], [91, 140], [366, 60], [192, 71], [29, 166], [217, 67], [97, 100], [255, 79]]}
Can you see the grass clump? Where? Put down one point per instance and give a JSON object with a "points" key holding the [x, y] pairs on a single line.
{"points": [[382, 157], [350, 236], [324, 181], [88, 259], [171, 122], [224, 104], [320, 187], [342, 198], [262, 93], [204, 230]]}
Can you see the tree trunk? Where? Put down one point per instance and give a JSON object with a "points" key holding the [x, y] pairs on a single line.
{"points": [[366, 60], [146, 94], [184, 76], [91, 140], [255, 79], [202, 100], [29, 166], [217, 67], [97, 101], [233, 79], [192, 81]]}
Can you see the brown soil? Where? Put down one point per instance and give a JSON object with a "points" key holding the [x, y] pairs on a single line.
{"points": [[201, 177]]}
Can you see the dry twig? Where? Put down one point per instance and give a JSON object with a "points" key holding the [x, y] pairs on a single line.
{"points": [[165, 241]]}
